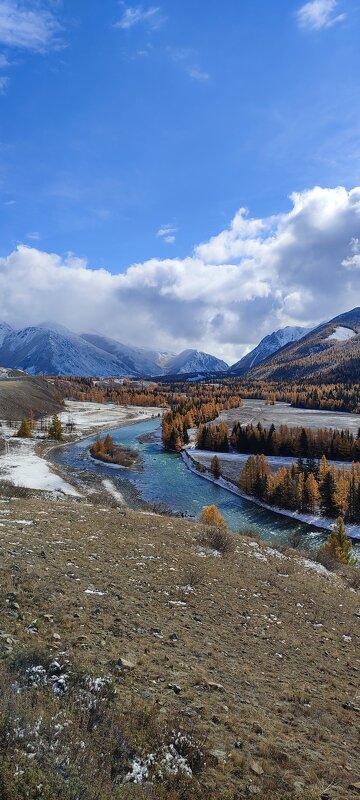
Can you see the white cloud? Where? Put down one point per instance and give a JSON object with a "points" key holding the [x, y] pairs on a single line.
{"points": [[198, 74], [136, 15], [167, 233], [318, 14], [299, 267], [187, 59], [26, 27], [4, 80]]}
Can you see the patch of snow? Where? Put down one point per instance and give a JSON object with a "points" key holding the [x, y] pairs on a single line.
{"points": [[110, 488], [341, 334], [308, 564]]}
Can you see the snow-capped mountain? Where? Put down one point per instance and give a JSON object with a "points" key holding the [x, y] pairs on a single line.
{"points": [[4, 331], [194, 361], [54, 350], [268, 346], [330, 352]]}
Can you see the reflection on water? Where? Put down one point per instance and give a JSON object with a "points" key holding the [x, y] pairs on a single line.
{"points": [[164, 478]]}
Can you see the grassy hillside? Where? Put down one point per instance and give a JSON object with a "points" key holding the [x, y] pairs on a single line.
{"points": [[137, 662], [21, 395]]}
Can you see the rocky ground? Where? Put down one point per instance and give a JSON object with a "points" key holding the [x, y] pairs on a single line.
{"points": [[139, 661]]}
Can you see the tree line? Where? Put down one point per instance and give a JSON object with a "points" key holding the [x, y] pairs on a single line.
{"points": [[314, 487], [297, 442]]}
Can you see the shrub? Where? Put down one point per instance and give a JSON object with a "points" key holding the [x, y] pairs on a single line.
{"points": [[211, 515]]}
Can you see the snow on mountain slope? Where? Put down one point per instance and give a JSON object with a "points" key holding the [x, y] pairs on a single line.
{"points": [[4, 331], [54, 350], [194, 361], [330, 352], [268, 346], [341, 334], [138, 360], [41, 350]]}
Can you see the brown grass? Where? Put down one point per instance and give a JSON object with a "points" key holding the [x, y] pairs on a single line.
{"points": [[246, 667]]}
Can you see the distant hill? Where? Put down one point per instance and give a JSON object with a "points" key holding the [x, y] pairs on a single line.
{"points": [[269, 345], [194, 361], [22, 395], [329, 353], [54, 350]]}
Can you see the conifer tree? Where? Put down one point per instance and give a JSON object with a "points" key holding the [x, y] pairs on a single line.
{"points": [[215, 467], [338, 543], [56, 430], [24, 431]]}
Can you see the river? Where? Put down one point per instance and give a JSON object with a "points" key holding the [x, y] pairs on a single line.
{"points": [[164, 478]]}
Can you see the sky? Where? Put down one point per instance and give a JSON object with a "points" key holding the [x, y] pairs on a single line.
{"points": [[179, 173]]}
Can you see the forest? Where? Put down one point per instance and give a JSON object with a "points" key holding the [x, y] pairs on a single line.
{"points": [[309, 488], [326, 396]]}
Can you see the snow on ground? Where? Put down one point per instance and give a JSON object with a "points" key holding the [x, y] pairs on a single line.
{"points": [[21, 465], [110, 488], [90, 417], [311, 519], [341, 334], [205, 456]]}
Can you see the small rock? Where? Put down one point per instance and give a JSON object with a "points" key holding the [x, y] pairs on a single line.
{"points": [[173, 637], [124, 663], [256, 768], [217, 687], [257, 729], [57, 637], [175, 688]]}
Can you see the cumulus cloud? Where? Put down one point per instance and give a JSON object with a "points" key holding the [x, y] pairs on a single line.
{"points": [[28, 26], [298, 267], [318, 14]]}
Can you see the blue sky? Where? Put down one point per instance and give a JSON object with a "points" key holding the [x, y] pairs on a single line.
{"points": [[133, 132]]}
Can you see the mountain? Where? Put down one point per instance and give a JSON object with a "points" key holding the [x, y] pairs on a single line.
{"points": [[137, 360], [329, 353], [194, 361], [54, 350], [269, 345], [4, 331]]}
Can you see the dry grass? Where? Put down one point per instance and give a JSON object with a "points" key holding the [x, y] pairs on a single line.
{"points": [[244, 668]]}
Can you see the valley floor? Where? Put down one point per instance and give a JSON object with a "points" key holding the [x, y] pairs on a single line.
{"points": [[21, 460], [130, 649]]}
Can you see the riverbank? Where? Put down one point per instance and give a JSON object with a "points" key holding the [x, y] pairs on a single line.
{"points": [[25, 462], [191, 459]]}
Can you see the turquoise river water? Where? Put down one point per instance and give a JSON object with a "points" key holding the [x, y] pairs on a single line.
{"points": [[164, 478]]}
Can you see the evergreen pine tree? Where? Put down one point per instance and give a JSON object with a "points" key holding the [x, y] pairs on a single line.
{"points": [[56, 430], [338, 543], [24, 431], [215, 467]]}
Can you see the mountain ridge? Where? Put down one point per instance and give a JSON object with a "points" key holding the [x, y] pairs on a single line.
{"points": [[54, 350], [330, 352]]}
